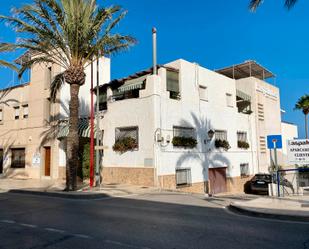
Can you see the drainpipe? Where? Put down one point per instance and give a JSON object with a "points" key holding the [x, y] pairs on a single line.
{"points": [[91, 128], [154, 50]]}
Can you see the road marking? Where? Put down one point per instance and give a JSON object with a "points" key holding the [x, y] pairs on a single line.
{"points": [[8, 221], [28, 225], [83, 236], [124, 244], [54, 230]]}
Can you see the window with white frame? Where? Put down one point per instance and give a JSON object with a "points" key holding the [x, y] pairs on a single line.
{"points": [[179, 131], [172, 84], [221, 135], [25, 111], [1, 115], [244, 169], [242, 136], [16, 112], [125, 132], [229, 100], [203, 93]]}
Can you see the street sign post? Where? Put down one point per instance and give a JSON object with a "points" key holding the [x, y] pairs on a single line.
{"points": [[275, 142]]}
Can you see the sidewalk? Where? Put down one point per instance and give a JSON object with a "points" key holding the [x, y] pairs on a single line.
{"points": [[294, 208], [55, 189]]}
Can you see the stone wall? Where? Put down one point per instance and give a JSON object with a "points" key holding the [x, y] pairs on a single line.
{"points": [[126, 175], [236, 184]]}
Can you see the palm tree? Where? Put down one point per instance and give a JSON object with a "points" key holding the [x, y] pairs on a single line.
{"points": [[4, 47], [70, 34], [303, 105], [254, 4]]}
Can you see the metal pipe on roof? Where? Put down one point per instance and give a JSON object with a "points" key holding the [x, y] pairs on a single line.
{"points": [[154, 50]]}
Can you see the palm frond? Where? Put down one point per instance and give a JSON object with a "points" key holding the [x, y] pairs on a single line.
{"points": [[55, 86], [254, 4]]}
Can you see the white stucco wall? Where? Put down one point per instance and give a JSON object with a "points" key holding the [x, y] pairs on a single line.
{"points": [[154, 111], [289, 131]]}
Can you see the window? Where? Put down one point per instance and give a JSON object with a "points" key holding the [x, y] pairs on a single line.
{"points": [[125, 132], [183, 131], [221, 135], [203, 92], [1, 115], [242, 136], [48, 77], [229, 100], [183, 177], [172, 84], [18, 158], [262, 144], [103, 100], [26, 111], [16, 112], [260, 112], [244, 169]]}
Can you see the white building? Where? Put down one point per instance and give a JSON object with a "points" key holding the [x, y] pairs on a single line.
{"points": [[183, 103]]}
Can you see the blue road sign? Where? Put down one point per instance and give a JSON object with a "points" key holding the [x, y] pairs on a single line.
{"points": [[274, 139]]}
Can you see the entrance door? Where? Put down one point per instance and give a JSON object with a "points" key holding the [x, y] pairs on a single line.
{"points": [[47, 161], [217, 180], [1, 161]]}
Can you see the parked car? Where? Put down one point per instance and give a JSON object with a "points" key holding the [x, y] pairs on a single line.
{"points": [[259, 183]]}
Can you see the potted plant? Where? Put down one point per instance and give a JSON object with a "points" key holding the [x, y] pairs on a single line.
{"points": [[186, 142], [224, 144], [243, 145], [125, 144]]}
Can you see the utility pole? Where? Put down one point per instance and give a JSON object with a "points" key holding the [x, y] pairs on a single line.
{"points": [[91, 128], [97, 168]]}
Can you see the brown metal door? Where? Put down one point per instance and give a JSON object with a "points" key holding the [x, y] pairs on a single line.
{"points": [[1, 161], [217, 180], [47, 161]]}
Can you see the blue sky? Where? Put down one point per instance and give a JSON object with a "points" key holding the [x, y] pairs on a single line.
{"points": [[214, 34]]}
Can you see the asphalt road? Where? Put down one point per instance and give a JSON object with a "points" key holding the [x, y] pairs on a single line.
{"points": [[158, 220]]}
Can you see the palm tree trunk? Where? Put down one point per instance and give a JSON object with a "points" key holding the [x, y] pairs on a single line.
{"points": [[306, 125], [73, 139]]}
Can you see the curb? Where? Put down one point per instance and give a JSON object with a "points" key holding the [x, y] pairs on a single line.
{"points": [[64, 195], [260, 214]]}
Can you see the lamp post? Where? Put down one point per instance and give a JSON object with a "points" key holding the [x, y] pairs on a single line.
{"points": [[91, 129], [97, 168]]}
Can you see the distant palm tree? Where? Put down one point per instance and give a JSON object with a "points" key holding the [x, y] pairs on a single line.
{"points": [[303, 105], [254, 4], [70, 34]]}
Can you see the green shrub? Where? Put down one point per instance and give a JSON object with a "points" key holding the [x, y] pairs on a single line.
{"points": [[84, 169], [125, 144], [186, 142], [222, 144], [243, 145]]}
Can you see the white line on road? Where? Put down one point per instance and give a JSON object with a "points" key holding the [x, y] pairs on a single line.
{"points": [[54, 230], [8, 221], [81, 236], [124, 244], [28, 225]]}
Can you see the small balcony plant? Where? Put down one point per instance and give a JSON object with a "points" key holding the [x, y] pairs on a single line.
{"points": [[243, 145], [185, 142], [224, 144], [125, 144]]}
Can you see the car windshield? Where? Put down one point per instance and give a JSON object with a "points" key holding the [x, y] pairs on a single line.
{"points": [[263, 177]]}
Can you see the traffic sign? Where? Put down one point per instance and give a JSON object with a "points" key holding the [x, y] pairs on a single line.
{"points": [[274, 141]]}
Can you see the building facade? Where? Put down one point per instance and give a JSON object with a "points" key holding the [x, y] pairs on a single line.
{"points": [[188, 127], [29, 147]]}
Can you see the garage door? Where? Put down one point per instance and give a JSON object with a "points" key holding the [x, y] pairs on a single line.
{"points": [[217, 180]]}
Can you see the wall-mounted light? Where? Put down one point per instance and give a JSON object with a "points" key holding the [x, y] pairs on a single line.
{"points": [[168, 138]]}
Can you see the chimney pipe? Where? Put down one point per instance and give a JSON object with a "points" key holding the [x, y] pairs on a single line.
{"points": [[154, 50]]}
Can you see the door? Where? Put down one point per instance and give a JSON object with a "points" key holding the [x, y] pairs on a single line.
{"points": [[47, 161], [1, 161], [217, 180]]}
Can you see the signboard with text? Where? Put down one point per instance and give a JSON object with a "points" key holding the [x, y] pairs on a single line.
{"points": [[298, 151]]}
